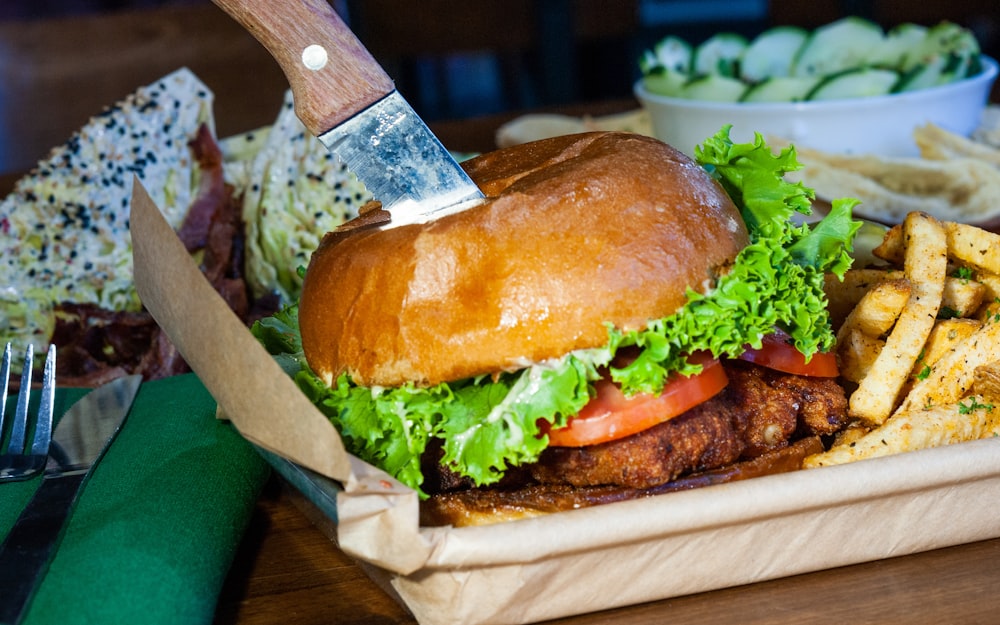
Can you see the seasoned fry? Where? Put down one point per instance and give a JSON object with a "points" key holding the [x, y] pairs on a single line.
{"points": [[945, 336], [916, 429], [851, 433], [961, 297], [990, 283], [892, 246], [986, 382], [990, 309], [878, 309], [856, 353], [925, 265], [969, 244], [974, 246], [952, 375], [843, 295]]}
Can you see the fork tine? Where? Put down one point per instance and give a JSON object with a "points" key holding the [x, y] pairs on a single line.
{"points": [[4, 375], [43, 422], [16, 442]]}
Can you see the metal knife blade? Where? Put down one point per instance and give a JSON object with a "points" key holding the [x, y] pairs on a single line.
{"points": [[78, 442], [344, 97]]}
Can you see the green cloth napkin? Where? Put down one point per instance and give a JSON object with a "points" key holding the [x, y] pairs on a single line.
{"points": [[160, 519]]}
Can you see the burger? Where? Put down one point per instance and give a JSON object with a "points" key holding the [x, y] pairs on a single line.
{"points": [[616, 320]]}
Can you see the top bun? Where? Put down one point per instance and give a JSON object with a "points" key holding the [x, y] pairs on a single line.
{"points": [[577, 232]]}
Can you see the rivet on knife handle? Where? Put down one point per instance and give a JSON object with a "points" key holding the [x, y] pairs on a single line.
{"points": [[331, 74]]}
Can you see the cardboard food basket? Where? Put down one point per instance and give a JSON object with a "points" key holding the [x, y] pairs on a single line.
{"points": [[570, 562]]}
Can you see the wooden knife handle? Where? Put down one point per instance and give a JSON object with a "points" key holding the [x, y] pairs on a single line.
{"points": [[332, 75]]}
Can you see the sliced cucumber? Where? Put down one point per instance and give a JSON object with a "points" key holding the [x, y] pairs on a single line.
{"points": [[957, 66], [923, 75], [781, 89], [720, 54], [898, 44], [837, 60], [674, 54], [838, 46], [663, 81], [974, 67], [855, 83], [771, 53], [648, 62], [715, 88], [944, 38]]}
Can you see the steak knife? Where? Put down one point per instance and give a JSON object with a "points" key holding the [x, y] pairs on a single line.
{"points": [[344, 97], [78, 442]]}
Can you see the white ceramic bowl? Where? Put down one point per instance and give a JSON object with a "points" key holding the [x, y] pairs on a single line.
{"points": [[875, 125]]}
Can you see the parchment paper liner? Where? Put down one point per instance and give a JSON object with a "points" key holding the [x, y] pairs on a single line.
{"points": [[572, 562]]}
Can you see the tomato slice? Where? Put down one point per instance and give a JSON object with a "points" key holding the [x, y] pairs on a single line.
{"points": [[611, 415], [778, 352]]}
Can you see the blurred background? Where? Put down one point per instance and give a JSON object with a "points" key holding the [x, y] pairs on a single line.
{"points": [[65, 60]]}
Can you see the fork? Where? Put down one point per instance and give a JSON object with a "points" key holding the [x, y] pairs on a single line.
{"points": [[21, 458]]}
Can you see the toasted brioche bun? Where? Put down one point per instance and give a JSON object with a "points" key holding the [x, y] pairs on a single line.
{"points": [[577, 232]]}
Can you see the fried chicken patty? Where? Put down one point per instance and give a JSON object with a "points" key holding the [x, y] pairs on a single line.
{"points": [[760, 411], [474, 505]]}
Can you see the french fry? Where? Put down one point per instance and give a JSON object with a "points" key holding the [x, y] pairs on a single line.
{"points": [[990, 283], [843, 295], [986, 382], [892, 246], [968, 244], [911, 430], [951, 376], [925, 265], [856, 353], [962, 297], [878, 309], [945, 336], [990, 308], [973, 246], [853, 432]]}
